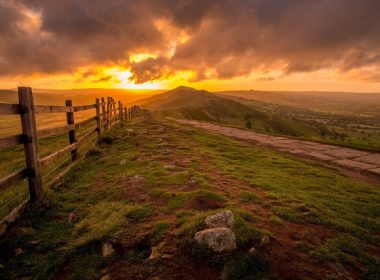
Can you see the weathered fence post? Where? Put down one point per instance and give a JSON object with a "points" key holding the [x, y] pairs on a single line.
{"points": [[120, 110], [98, 126], [125, 113], [114, 107], [29, 130], [108, 112], [70, 121], [104, 110]]}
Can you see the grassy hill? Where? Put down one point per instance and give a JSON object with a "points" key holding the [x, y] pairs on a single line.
{"points": [[189, 103], [150, 188], [367, 104]]}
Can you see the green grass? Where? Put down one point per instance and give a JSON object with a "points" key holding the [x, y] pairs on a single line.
{"points": [[13, 159], [248, 197], [107, 201]]}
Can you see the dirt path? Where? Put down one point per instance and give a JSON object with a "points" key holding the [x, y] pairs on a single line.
{"points": [[367, 163]]}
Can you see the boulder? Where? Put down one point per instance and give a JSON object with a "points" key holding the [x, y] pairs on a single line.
{"points": [[218, 240], [221, 219]]}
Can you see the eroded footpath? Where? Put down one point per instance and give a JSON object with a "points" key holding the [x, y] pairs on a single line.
{"points": [[361, 161]]}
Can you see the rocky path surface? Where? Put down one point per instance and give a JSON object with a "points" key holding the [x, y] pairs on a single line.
{"points": [[361, 161]]}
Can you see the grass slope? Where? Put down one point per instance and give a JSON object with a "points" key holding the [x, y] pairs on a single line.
{"points": [[321, 224], [185, 102]]}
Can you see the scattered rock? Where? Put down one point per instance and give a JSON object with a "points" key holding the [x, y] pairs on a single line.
{"points": [[123, 162], [137, 179], [170, 167], [106, 277], [167, 256], [131, 132], [155, 253], [264, 240], [18, 251], [34, 242], [219, 240], [192, 182], [107, 250], [252, 251], [221, 219], [70, 217], [162, 251]]}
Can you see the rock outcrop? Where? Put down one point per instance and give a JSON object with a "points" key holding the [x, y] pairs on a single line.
{"points": [[218, 240], [221, 219]]}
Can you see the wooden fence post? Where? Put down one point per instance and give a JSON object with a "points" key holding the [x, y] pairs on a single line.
{"points": [[114, 108], [98, 126], [104, 110], [109, 112], [125, 113], [29, 130], [120, 110], [70, 121]]}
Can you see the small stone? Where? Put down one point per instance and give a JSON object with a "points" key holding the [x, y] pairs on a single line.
{"points": [[137, 179], [106, 277], [265, 240], [192, 182], [34, 242], [155, 253], [167, 256], [252, 251], [170, 167], [221, 219], [123, 162], [107, 250], [18, 251], [70, 217], [218, 240]]}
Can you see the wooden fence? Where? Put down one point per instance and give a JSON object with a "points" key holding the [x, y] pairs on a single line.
{"points": [[107, 114]]}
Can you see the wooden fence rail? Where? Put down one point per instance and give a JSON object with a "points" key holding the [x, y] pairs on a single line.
{"points": [[106, 115]]}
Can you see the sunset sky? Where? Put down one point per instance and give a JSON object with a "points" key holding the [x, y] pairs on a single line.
{"points": [[331, 45]]}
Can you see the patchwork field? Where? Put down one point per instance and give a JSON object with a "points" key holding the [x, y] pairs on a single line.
{"points": [[132, 208]]}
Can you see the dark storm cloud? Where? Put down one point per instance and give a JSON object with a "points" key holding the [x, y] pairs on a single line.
{"points": [[229, 37]]}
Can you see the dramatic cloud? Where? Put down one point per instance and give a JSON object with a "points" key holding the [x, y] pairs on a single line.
{"points": [[218, 39]]}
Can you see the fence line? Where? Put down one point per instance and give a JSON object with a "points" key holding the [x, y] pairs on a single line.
{"points": [[106, 115]]}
